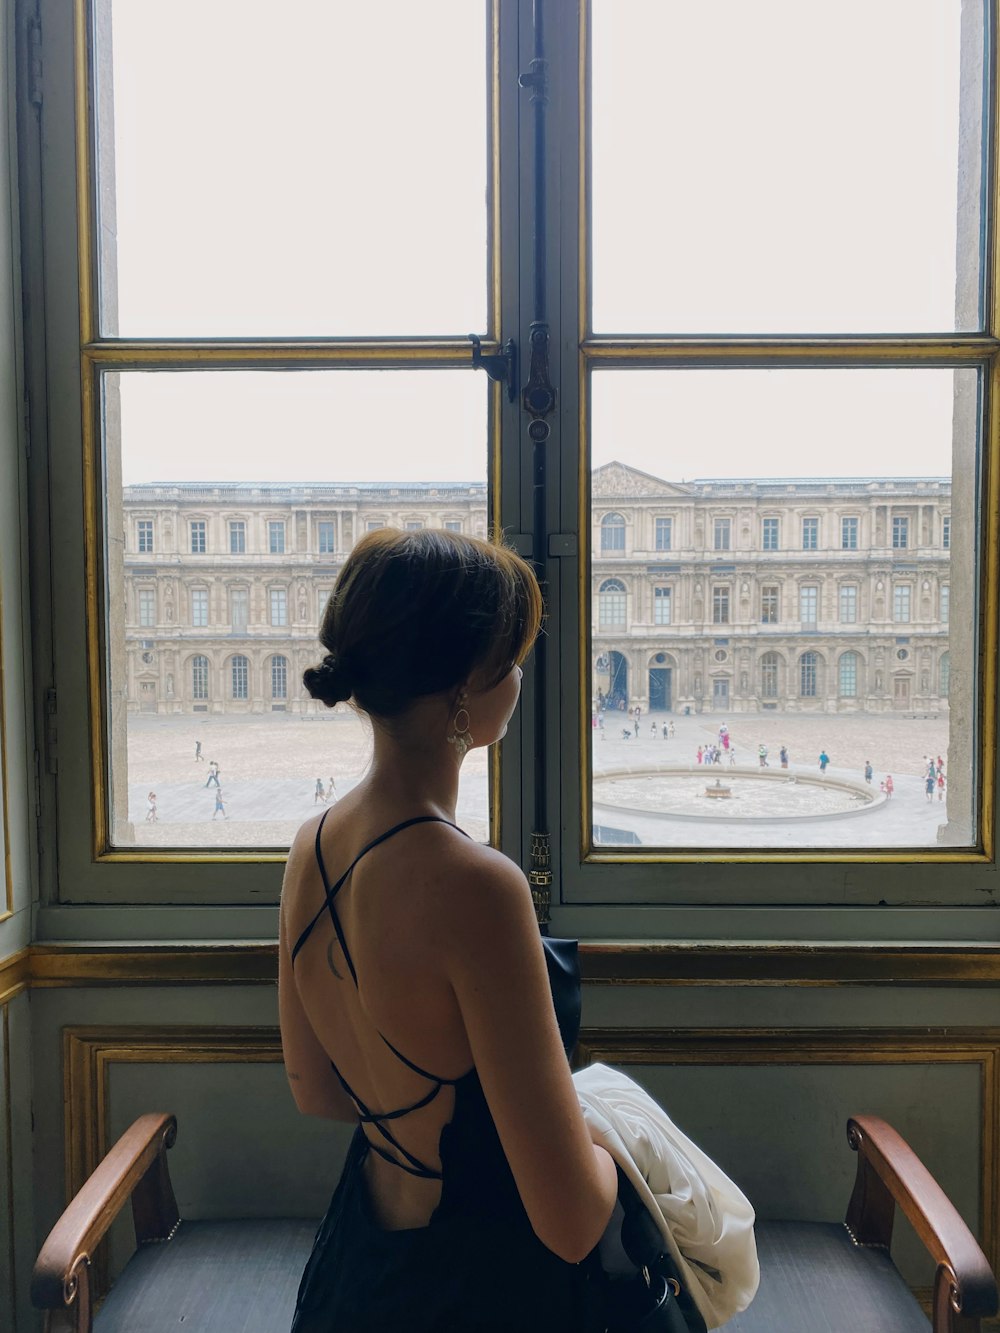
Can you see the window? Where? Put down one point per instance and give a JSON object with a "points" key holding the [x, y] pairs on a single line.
{"points": [[198, 536], [721, 532], [901, 603], [414, 526], [945, 599], [453, 525], [808, 663], [720, 605], [147, 606], [612, 533], [373, 525], [900, 532], [276, 536], [239, 609], [946, 532], [144, 536], [848, 534], [325, 534], [279, 677], [279, 606], [239, 677], [848, 604], [944, 674], [769, 534], [770, 596], [848, 683], [237, 537], [199, 677], [611, 604], [769, 676], [199, 607], [661, 606], [810, 534], [808, 604], [663, 537]]}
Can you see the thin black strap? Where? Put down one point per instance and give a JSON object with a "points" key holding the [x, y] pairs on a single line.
{"points": [[416, 1167], [451, 1082]]}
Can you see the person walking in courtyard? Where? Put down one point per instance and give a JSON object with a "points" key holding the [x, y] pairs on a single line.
{"points": [[220, 807], [665, 731], [762, 755], [940, 785], [700, 754], [331, 791], [671, 730], [783, 756], [151, 816], [889, 786], [824, 759], [732, 755], [930, 782], [213, 774], [319, 794], [652, 728], [199, 758], [869, 771], [940, 764]]}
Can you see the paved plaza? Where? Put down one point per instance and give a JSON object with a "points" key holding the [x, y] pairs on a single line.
{"points": [[269, 766]]}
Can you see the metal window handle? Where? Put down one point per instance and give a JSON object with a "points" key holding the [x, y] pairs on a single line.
{"points": [[500, 366]]}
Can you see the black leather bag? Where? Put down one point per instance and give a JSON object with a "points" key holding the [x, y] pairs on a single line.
{"points": [[644, 1291]]}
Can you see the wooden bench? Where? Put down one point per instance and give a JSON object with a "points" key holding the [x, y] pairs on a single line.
{"points": [[242, 1276]]}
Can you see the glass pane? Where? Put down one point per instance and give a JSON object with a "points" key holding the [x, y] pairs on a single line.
{"points": [[794, 690], [239, 496], [264, 172], [783, 167]]}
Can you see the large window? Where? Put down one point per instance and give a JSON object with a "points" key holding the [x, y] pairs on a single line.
{"points": [[901, 603], [279, 677], [696, 419], [147, 606]]}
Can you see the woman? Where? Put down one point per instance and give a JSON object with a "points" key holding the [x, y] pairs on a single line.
{"points": [[414, 992]]}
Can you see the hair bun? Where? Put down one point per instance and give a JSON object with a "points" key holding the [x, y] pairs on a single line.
{"points": [[328, 682]]}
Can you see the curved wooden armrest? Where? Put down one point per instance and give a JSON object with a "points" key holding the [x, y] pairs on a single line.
{"points": [[136, 1168], [890, 1172]]}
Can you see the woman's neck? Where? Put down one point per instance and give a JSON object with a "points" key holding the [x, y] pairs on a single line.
{"points": [[410, 775]]}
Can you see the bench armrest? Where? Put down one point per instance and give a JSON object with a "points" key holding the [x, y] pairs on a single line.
{"points": [[136, 1169], [890, 1172]]}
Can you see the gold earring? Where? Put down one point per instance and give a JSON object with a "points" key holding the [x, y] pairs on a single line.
{"points": [[460, 736]]}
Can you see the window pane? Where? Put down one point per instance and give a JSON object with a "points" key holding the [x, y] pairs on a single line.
{"points": [[242, 208], [827, 646], [782, 205], [213, 642]]}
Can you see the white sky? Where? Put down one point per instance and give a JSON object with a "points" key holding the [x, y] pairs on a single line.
{"points": [[786, 165]]}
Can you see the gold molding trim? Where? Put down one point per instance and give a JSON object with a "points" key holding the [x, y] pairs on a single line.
{"points": [[8, 1139], [824, 1046], [602, 963], [962, 349]]}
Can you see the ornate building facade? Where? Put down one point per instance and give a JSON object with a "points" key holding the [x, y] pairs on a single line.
{"points": [[798, 594], [725, 596]]}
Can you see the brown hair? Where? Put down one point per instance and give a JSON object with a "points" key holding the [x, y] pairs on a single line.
{"points": [[418, 613]]}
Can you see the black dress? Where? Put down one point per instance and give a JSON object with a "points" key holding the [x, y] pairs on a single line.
{"points": [[477, 1267]]}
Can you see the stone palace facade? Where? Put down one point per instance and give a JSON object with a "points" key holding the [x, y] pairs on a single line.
{"points": [[724, 596]]}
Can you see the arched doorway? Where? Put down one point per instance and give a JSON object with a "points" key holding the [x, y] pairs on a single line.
{"points": [[661, 684], [617, 691]]}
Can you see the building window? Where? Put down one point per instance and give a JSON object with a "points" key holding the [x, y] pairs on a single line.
{"points": [[900, 533], [414, 526], [901, 603], [326, 537], [769, 604], [199, 607], [279, 606], [374, 524], [720, 606], [147, 606], [848, 604], [199, 677], [848, 676], [279, 677], [144, 536], [239, 609], [240, 672], [810, 534], [237, 537], [661, 606], [276, 536], [453, 525], [611, 604], [612, 533], [199, 538], [944, 674], [946, 532], [807, 675], [770, 533], [664, 534], [848, 534], [721, 534], [769, 676], [945, 599], [808, 604]]}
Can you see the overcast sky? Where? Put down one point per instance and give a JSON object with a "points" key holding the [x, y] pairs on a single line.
{"points": [[786, 165]]}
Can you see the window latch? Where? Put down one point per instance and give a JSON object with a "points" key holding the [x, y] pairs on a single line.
{"points": [[500, 366]]}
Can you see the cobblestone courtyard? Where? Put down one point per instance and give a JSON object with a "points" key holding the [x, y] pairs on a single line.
{"points": [[269, 766]]}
